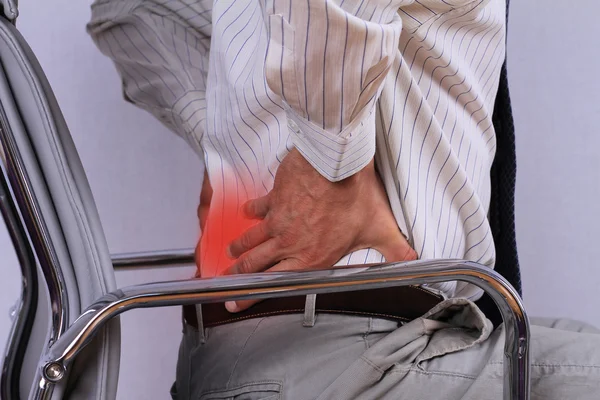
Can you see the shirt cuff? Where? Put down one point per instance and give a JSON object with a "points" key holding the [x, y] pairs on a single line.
{"points": [[336, 157]]}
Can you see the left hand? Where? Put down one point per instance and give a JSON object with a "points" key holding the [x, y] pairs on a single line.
{"points": [[310, 222]]}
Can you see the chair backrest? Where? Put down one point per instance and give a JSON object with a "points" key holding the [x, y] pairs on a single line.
{"points": [[54, 218]]}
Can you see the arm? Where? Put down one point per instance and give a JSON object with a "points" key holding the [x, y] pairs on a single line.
{"points": [[328, 63], [163, 66]]}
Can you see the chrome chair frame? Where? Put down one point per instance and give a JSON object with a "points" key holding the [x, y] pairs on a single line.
{"points": [[31, 240], [268, 285]]}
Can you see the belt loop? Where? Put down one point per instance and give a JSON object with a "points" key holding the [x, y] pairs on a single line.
{"points": [[310, 311], [201, 332]]}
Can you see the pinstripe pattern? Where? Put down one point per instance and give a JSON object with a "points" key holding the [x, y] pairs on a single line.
{"points": [[411, 82]]}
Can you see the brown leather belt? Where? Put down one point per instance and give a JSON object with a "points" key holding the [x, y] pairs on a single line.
{"points": [[401, 304]]}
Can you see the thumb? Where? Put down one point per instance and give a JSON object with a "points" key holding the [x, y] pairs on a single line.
{"points": [[385, 236], [396, 248]]}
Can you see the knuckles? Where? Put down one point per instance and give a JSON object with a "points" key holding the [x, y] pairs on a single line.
{"points": [[245, 242], [244, 265]]}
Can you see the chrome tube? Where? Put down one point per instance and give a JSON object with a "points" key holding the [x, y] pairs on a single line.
{"points": [[42, 391], [163, 258], [39, 237], [266, 285], [25, 310]]}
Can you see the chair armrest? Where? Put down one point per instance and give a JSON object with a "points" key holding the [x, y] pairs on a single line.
{"points": [[267, 285]]}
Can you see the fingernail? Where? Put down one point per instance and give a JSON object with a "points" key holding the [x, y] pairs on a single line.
{"points": [[231, 306]]}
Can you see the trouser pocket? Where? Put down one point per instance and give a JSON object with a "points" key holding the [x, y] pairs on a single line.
{"points": [[250, 391], [451, 326]]}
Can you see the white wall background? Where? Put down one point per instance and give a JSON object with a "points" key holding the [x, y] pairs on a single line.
{"points": [[553, 67], [146, 181]]}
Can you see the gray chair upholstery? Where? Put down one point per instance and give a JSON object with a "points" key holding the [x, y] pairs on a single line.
{"points": [[68, 243]]}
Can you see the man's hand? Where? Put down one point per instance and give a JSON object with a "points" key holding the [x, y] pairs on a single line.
{"points": [[310, 222]]}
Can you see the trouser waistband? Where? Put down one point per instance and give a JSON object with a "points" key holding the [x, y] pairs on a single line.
{"points": [[400, 304]]}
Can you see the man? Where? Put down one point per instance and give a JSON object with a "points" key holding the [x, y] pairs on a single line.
{"points": [[334, 133]]}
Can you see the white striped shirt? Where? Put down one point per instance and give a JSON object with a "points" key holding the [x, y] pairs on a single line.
{"points": [[411, 82]]}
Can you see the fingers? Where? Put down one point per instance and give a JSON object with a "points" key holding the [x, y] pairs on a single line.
{"points": [[289, 264], [257, 208], [254, 236], [237, 306], [258, 259]]}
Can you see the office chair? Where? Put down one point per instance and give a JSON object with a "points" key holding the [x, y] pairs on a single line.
{"points": [[65, 341]]}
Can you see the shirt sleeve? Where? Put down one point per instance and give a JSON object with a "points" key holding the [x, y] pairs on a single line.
{"points": [[163, 65], [328, 61]]}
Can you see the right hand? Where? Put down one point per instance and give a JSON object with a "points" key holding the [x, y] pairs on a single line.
{"points": [[308, 222]]}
